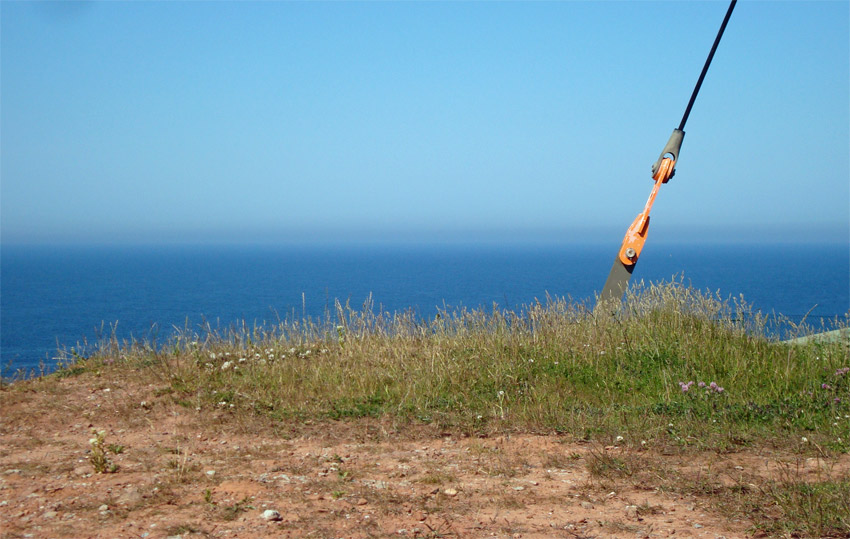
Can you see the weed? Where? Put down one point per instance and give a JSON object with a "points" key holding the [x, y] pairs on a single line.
{"points": [[437, 477], [98, 457], [182, 529], [603, 464], [795, 506], [181, 465], [115, 449], [230, 512]]}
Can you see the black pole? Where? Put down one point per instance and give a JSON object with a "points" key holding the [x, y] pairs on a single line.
{"points": [[707, 63]]}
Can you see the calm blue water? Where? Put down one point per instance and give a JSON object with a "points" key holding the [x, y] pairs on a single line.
{"points": [[61, 296]]}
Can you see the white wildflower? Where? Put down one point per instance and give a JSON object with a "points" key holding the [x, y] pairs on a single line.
{"points": [[226, 365]]}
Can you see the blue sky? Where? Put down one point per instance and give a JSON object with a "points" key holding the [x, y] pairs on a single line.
{"points": [[236, 122]]}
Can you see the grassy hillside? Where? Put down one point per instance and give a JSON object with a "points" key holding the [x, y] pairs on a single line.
{"points": [[675, 366]]}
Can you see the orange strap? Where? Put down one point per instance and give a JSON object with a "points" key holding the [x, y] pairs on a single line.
{"points": [[636, 234]]}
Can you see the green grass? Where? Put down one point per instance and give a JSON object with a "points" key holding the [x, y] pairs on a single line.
{"points": [[820, 509], [553, 366]]}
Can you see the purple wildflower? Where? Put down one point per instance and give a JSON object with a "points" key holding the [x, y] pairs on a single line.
{"points": [[701, 384], [842, 372], [825, 386], [686, 386]]}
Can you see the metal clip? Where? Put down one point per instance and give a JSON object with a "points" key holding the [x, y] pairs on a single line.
{"points": [[672, 148]]}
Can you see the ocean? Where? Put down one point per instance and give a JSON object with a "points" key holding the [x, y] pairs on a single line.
{"points": [[52, 297]]}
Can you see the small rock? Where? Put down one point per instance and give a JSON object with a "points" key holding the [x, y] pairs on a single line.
{"points": [[362, 501], [631, 511], [103, 508], [12, 471], [210, 473], [518, 488], [450, 492], [130, 496], [420, 516], [586, 505], [271, 515], [698, 526], [50, 514]]}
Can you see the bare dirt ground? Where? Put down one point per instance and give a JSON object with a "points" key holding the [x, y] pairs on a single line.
{"points": [[188, 473]]}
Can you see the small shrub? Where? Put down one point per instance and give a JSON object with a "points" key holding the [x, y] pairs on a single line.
{"points": [[98, 457]]}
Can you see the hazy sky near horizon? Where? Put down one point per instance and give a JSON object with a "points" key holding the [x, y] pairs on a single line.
{"points": [[163, 122]]}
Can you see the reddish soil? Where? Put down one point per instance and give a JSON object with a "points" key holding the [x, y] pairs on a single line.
{"points": [[187, 473]]}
